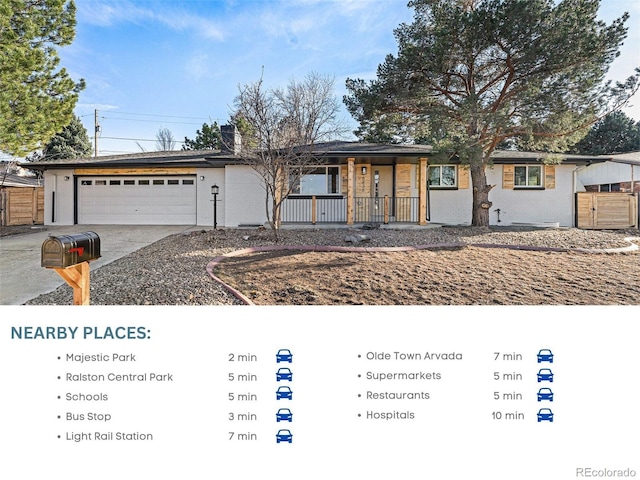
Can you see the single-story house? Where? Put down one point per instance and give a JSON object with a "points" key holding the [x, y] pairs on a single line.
{"points": [[353, 183]]}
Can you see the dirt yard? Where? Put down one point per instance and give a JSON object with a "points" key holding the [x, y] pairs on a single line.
{"points": [[459, 276]]}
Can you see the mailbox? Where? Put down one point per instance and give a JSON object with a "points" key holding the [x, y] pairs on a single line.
{"points": [[66, 250]]}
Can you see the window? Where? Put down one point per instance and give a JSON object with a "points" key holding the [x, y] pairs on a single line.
{"points": [[85, 182], [610, 187], [173, 182], [114, 182], [128, 182], [158, 182], [442, 176], [527, 176], [101, 182], [187, 182], [143, 182], [316, 181]]}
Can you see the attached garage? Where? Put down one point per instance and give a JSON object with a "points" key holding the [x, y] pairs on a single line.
{"points": [[136, 200]]}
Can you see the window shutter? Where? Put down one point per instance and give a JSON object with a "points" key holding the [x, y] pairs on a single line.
{"points": [[463, 177], [549, 176], [507, 177]]}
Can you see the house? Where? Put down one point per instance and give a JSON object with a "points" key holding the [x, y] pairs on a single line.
{"points": [[353, 183], [619, 173], [611, 192]]}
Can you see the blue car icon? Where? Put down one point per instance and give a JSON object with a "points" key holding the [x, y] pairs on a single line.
{"points": [[284, 374], [545, 375], [284, 392], [284, 415], [545, 355], [545, 394], [545, 415], [284, 355], [284, 436]]}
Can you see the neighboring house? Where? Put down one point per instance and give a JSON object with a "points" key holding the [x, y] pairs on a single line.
{"points": [[620, 173], [348, 186], [611, 191]]}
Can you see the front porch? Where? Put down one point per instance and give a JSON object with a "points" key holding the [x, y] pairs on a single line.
{"points": [[331, 209], [369, 193]]}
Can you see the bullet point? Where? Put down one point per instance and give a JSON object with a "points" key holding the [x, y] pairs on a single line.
{"points": [[58, 358], [58, 378], [359, 356], [58, 436], [359, 414], [58, 397], [58, 416], [359, 375], [358, 395]]}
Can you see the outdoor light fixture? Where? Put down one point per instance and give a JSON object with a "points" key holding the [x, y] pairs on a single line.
{"points": [[364, 170], [214, 191], [201, 178], [66, 178]]}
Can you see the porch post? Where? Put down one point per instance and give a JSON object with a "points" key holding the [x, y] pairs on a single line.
{"points": [[422, 192], [313, 209], [351, 171]]}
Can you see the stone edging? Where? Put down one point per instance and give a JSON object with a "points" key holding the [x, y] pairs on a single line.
{"points": [[328, 248]]}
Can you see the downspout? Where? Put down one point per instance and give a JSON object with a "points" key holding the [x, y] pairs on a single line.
{"points": [[428, 202], [53, 198]]}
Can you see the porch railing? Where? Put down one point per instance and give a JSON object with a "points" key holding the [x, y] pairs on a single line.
{"points": [[333, 209]]}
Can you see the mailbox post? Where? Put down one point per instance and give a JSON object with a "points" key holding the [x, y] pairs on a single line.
{"points": [[69, 256]]}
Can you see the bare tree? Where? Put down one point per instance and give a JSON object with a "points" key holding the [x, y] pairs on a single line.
{"points": [[283, 132], [165, 140]]}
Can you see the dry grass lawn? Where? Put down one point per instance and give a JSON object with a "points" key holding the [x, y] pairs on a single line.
{"points": [[458, 276]]}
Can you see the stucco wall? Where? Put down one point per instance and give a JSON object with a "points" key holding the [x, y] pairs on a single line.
{"points": [[548, 205], [205, 179], [450, 207], [244, 197], [59, 212]]}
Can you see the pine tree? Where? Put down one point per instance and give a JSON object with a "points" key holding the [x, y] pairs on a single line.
{"points": [[472, 74], [616, 133], [206, 139], [72, 142], [37, 97]]}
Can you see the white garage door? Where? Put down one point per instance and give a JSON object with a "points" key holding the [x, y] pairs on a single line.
{"points": [[169, 200]]}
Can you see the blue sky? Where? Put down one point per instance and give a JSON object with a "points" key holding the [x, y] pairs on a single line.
{"points": [[152, 64]]}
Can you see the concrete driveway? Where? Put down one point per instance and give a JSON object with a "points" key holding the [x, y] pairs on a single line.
{"points": [[22, 278]]}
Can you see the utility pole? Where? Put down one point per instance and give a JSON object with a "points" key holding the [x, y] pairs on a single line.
{"points": [[96, 131]]}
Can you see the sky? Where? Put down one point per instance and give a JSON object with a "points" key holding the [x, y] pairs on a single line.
{"points": [[155, 64]]}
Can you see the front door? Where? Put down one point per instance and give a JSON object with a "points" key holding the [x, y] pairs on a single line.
{"points": [[382, 185]]}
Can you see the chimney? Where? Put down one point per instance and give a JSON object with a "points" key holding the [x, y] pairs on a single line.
{"points": [[231, 140]]}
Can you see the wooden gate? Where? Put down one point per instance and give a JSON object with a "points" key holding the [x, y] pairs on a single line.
{"points": [[606, 211], [22, 205]]}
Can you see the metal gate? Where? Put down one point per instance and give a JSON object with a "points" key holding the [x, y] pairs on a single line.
{"points": [[606, 211]]}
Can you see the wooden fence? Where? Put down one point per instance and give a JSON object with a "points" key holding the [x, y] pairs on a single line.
{"points": [[606, 211], [22, 206]]}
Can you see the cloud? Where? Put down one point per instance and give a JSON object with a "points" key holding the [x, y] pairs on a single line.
{"points": [[110, 13]]}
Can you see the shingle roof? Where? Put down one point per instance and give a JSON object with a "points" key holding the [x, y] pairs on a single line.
{"points": [[12, 180], [204, 158]]}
